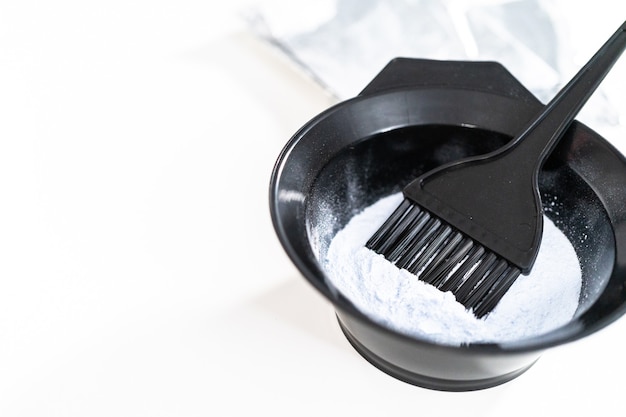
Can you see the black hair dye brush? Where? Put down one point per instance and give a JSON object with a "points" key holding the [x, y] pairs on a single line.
{"points": [[473, 226]]}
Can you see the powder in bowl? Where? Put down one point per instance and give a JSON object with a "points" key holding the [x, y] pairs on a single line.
{"points": [[537, 303]]}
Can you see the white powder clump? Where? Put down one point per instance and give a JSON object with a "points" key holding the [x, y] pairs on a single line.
{"points": [[537, 303]]}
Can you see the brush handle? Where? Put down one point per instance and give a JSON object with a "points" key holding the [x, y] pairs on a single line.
{"points": [[541, 135], [494, 198]]}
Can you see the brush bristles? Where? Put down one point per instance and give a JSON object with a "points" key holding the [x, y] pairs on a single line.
{"points": [[438, 254]]}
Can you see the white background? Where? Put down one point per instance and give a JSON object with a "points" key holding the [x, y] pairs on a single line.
{"points": [[139, 271]]}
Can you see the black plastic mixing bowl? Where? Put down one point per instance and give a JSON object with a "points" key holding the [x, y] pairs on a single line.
{"points": [[414, 116]]}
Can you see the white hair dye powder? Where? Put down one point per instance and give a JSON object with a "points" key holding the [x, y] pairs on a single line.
{"points": [[537, 303]]}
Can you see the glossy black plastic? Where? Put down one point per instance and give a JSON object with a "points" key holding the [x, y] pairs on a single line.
{"points": [[418, 115], [493, 199]]}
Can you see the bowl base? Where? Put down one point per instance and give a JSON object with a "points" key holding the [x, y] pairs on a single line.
{"points": [[425, 381]]}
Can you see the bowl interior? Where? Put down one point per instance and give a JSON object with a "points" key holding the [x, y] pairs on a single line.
{"points": [[381, 165]]}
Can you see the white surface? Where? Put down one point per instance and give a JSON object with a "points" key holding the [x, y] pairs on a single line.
{"points": [[139, 272]]}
